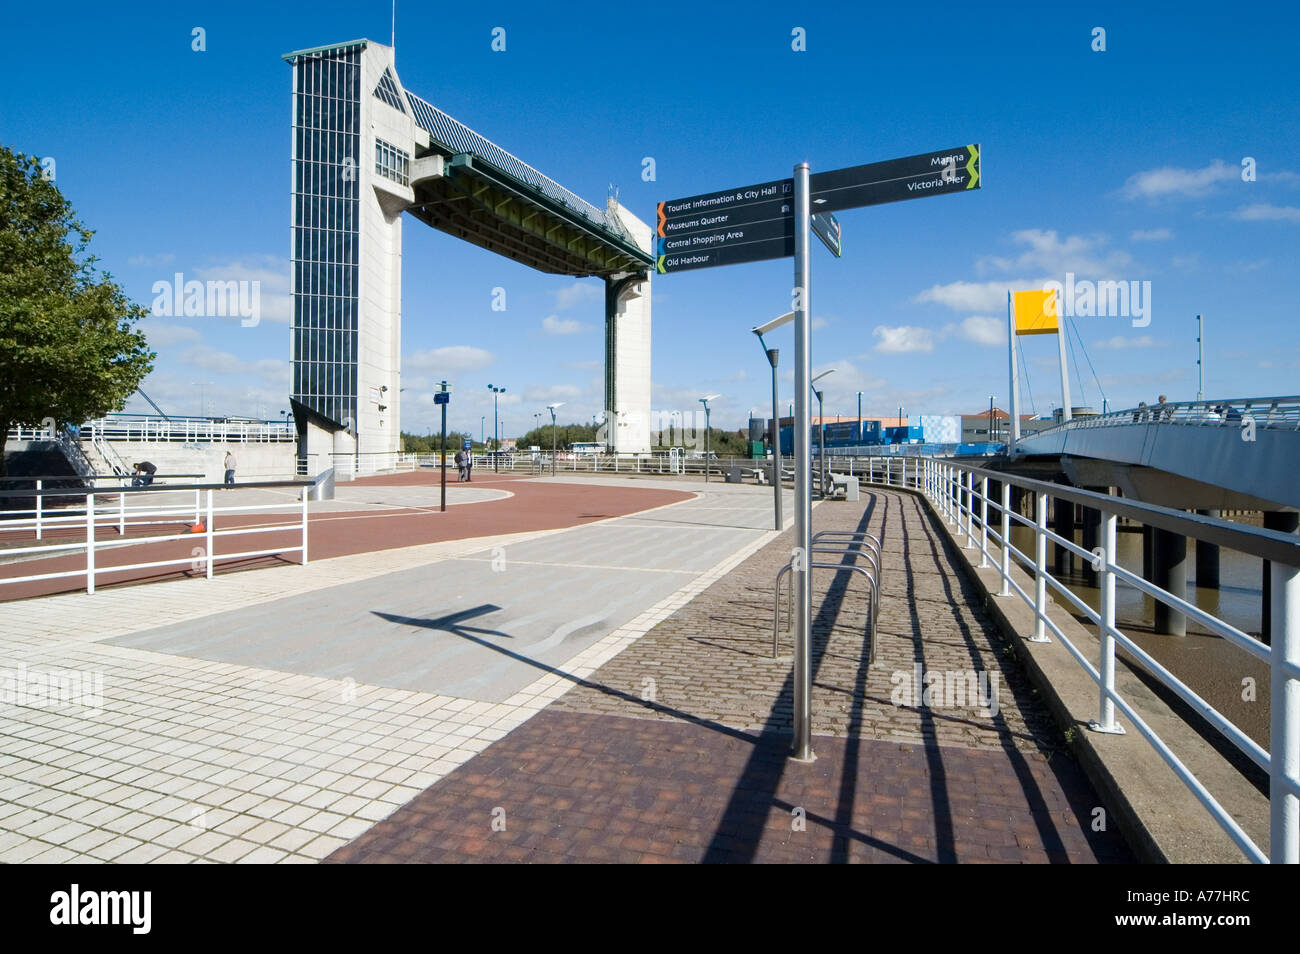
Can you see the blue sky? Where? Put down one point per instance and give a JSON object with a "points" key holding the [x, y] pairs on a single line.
{"points": [[1122, 165]]}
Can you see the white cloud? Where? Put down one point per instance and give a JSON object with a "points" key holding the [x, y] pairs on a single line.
{"points": [[1151, 235], [973, 296], [165, 332], [983, 330], [561, 326], [1120, 343], [554, 392], [1171, 181], [447, 361], [274, 275], [1047, 251], [903, 338], [579, 293], [223, 363], [1264, 212]]}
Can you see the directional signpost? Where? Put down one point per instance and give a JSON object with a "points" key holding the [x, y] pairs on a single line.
{"points": [[443, 397], [827, 228], [773, 220]]}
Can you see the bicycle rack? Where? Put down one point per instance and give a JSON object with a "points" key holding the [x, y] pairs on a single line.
{"points": [[869, 546]]}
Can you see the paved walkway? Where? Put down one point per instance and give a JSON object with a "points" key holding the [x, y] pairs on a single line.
{"points": [[675, 749], [166, 740]]}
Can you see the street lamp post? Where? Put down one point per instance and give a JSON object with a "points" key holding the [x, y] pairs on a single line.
{"points": [[496, 433], [554, 451], [821, 430], [772, 355], [705, 401]]}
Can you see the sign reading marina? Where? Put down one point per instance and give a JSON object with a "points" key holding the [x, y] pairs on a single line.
{"points": [[756, 222]]}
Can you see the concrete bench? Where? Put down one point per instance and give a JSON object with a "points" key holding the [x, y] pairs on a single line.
{"points": [[846, 483]]}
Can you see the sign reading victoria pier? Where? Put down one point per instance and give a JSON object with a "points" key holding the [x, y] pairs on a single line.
{"points": [[757, 222]]}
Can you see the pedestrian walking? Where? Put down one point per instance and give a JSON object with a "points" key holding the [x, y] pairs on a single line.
{"points": [[469, 465], [230, 468], [460, 466]]}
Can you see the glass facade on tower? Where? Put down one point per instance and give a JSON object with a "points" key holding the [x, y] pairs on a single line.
{"points": [[326, 167]]}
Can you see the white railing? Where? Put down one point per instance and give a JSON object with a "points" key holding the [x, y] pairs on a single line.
{"points": [[960, 495], [106, 519], [200, 430], [1279, 413], [350, 466]]}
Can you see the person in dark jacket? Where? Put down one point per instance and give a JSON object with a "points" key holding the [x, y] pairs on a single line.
{"points": [[143, 475]]}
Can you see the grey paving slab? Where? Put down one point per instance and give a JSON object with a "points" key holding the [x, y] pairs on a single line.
{"points": [[483, 626]]}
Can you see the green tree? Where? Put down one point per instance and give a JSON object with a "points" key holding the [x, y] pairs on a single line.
{"points": [[68, 350]]}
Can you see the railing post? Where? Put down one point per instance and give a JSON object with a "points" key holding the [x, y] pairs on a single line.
{"points": [[1005, 590], [984, 522], [121, 513], [968, 478], [207, 530], [90, 541], [1040, 571], [197, 506], [40, 484], [1106, 629], [1284, 717], [306, 495]]}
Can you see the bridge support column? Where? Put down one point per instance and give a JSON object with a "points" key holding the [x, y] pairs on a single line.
{"points": [[1170, 566], [1063, 525], [1148, 561], [1283, 521], [1207, 560], [1091, 536]]}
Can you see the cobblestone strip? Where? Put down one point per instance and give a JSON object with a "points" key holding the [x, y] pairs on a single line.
{"points": [[711, 658]]}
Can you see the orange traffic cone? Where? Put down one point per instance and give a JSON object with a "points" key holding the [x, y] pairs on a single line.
{"points": [[198, 528]]}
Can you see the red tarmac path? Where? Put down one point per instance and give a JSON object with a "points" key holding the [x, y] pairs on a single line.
{"points": [[535, 505]]}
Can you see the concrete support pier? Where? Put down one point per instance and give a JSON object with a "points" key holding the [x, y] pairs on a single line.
{"points": [[1284, 521], [1062, 525], [1207, 560], [1169, 572]]}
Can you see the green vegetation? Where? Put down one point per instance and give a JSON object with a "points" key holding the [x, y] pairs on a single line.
{"points": [[67, 346], [431, 444]]}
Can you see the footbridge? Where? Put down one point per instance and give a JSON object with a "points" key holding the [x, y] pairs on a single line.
{"points": [[1227, 453]]}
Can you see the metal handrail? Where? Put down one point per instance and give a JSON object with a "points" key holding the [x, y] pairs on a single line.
{"points": [[951, 488], [92, 519]]}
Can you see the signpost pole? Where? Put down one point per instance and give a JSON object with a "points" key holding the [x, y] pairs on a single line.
{"points": [[443, 469], [802, 747]]}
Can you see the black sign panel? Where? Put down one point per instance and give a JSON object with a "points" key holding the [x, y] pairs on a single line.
{"points": [[827, 228], [717, 238], [727, 254], [722, 201], [933, 173]]}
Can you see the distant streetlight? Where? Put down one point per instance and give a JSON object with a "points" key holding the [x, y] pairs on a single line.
{"points": [[821, 429], [705, 401], [551, 408], [496, 432]]}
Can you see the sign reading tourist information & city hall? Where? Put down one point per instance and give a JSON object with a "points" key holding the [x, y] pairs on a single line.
{"points": [[756, 222]]}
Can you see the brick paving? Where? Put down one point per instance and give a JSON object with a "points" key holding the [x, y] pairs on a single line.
{"points": [[712, 658], [675, 749]]}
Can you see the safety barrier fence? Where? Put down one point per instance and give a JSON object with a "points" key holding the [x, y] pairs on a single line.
{"points": [[960, 495], [138, 519]]}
